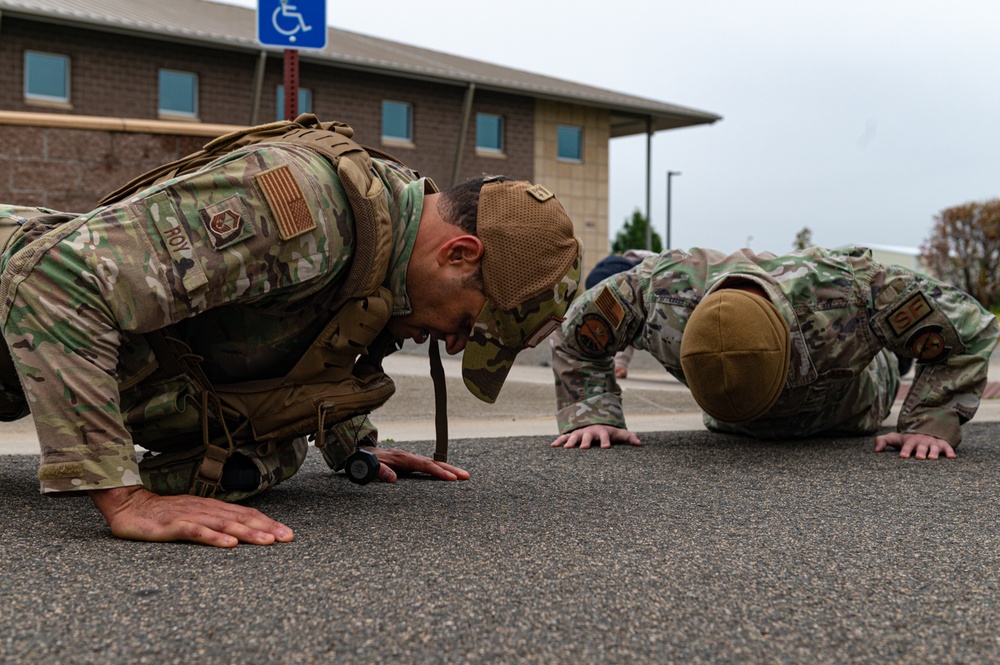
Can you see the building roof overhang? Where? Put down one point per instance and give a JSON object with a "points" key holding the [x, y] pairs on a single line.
{"points": [[217, 25]]}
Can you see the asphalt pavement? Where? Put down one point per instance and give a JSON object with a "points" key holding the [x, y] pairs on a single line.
{"points": [[694, 548]]}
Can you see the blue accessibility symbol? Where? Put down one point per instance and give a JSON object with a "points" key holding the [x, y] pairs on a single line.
{"points": [[293, 24]]}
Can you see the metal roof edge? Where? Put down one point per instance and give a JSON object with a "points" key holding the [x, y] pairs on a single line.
{"points": [[664, 115]]}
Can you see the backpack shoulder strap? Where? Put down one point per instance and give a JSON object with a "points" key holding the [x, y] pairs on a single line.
{"points": [[352, 161]]}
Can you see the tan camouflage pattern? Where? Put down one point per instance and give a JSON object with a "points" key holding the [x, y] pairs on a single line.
{"points": [[843, 311], [201, 250], [498, 336]]}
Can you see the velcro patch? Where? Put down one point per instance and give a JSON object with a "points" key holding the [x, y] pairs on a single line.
{"points": [[928, 344], [175, 236], [226, 222], [610, 307], [543, 330], [540, 193], [284, 195], [909, 314], [60, 470], [594, 335]]}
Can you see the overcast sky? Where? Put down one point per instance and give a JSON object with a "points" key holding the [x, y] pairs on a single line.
{"points": [[860, 119]]}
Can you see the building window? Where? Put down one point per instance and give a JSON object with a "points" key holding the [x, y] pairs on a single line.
{"points": [[305, 101], [46, 76], [178, 93], [397, 121], [570, 142], [489, 132]]}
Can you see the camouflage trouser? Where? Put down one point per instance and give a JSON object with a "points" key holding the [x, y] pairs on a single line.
{"points": [[853, 408], [266, 464]]}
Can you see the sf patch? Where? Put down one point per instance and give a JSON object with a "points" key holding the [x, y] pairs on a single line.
{"points": [[287, 202], [909, 314], [928, 344], [594, 335]]}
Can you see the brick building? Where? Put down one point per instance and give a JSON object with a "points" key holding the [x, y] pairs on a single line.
{"points": [[93, 92]]}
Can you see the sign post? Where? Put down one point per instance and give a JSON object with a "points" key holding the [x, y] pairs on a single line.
{"points": [[291, 109], [292, 25]]}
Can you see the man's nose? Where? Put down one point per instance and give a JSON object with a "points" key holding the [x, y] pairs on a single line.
{"points": [[455, 342]]}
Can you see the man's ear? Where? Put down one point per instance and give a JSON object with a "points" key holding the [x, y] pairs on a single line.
{"points": [[466, 248]]}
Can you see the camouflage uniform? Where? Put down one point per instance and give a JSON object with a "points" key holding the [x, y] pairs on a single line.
{"points": [[250, 289], [844, 311]]}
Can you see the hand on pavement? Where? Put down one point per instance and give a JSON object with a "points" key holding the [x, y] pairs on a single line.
{"points": [[135, 513], [921, 446], [605, 435], [400, 461]]}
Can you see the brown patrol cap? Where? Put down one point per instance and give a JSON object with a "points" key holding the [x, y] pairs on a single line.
{"points": [[531, 273], [735, 352]]}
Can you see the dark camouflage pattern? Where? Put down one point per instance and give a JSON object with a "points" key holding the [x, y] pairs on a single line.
{"points": [[76, 298], [845, 313]]}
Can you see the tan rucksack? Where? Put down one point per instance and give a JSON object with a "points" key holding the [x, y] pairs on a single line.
{"points": [[328, 384]]}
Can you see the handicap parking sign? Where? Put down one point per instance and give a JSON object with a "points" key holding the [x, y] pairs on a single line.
{"points": [[293, 24]]}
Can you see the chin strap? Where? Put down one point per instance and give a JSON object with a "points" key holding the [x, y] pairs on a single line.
{"points": [[440, 404]]}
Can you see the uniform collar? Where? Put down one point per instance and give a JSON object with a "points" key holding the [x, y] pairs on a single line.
{"points": [[410, 204]]}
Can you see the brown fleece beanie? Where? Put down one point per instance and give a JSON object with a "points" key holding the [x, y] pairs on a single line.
{"points": [[735, 352]]}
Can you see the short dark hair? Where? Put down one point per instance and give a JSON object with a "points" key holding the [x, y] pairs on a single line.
{"points": [[459, 205]]}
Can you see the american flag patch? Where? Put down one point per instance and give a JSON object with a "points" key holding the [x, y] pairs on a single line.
{"points": [[609, 306], [284, 196]]}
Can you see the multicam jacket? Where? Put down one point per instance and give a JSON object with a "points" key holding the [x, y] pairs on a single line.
{"points": [[843, 310], [209, 251]]}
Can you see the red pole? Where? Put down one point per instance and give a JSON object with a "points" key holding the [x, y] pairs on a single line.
{"points": [[291, 84]]}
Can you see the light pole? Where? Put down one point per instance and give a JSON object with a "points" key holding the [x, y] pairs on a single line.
{"points": [[670, 174]]}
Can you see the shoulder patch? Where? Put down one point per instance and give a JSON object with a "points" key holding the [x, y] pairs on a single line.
{"points": [[594, 335], [909, 314], [226, 222], [288, 205], [609, 306], [928, 344]]}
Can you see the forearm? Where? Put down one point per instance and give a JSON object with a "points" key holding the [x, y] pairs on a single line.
{"points": [[624, 357], [946, 395], [67, 360], [599, 324], [586, 391], [606, 410], [952, 337]]}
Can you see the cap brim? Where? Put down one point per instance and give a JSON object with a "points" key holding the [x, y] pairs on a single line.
{"points": [[499, 335], [487, 360]]}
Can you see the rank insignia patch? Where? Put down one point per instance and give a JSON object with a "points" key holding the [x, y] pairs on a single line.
{"points": [[288, 205], [594, 334], [540, 193], [226, 222]]}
